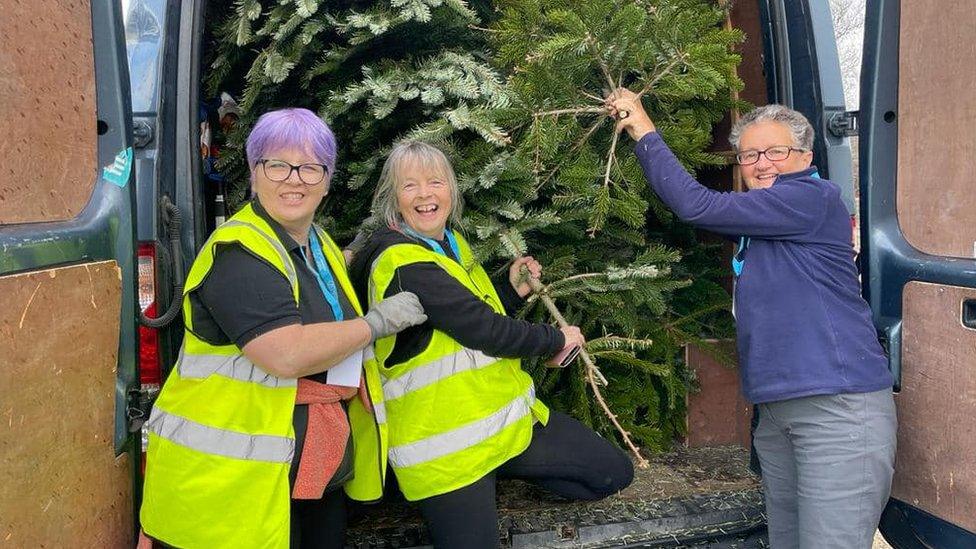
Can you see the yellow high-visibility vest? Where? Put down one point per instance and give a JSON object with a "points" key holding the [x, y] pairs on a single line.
{"points": [[221, 439], [454, 414]]}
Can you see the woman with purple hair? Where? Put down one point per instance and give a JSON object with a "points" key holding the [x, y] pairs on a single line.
{"points": [[274, 403]]}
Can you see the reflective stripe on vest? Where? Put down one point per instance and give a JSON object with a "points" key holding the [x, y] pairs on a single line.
{"points": [[221, 442], [379, 412], [194, 366], [432, 372], [463, 437]]}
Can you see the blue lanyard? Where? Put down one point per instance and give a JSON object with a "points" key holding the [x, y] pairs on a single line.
{"points": [[434, 245], [323, 274], [738, 260]]}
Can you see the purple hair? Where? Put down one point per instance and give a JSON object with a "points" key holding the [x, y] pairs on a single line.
{"points": [[291, 129]]}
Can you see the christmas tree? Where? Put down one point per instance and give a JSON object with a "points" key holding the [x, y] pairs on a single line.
{"points": [[512, 90], [613, 274]]}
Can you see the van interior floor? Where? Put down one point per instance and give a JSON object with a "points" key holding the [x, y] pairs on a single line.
{"points": [[698, 497]]}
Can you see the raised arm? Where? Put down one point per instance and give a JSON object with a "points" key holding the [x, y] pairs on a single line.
{"points": [[789, 208]]}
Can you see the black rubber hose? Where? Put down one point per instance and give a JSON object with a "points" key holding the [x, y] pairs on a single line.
{"points": [[175, 219]]}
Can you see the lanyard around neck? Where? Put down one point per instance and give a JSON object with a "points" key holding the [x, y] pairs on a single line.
{"points": [[739, 260], [435, 245], [323, 274]]}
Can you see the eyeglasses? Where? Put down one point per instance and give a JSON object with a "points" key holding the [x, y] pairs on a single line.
{"points": [[773, 154], [279, 170]]}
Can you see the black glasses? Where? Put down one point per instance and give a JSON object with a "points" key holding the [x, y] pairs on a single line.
{"points": [[773, 154], [279, 170]]}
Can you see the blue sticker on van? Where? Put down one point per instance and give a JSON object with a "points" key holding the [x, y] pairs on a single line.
{"points": [[118, 172]]}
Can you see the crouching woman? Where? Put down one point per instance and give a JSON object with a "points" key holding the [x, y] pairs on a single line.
{"points": [[461, 410]]}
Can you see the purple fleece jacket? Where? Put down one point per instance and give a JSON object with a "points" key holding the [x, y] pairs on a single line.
{"points": [[803, 327]]}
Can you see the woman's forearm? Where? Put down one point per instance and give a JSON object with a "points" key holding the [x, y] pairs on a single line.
{"points": [[300, 350], [781, 211]]}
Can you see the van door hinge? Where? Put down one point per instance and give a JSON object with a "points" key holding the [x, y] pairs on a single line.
{"points": [[843, 123], [143, 132]]}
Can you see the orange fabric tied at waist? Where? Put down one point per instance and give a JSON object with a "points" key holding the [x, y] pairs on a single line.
{"points": [[325, 437]]}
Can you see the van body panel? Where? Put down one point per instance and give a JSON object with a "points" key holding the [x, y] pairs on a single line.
{"points": [[935, 201], [918, 110], [189, 195], [936, 463], [67, 277]]}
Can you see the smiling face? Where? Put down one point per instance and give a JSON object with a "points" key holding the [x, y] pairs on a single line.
{"points": [[290, 202], [761, 136], [424, 200]]}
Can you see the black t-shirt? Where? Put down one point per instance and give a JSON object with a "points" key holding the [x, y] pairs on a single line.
{"points": [[243, 297], [453, 309]]}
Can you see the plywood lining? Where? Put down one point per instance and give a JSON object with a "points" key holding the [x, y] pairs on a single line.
{"points": [[936, 201], [718, 414], [48, 133], [935, 468], [61, 483]]}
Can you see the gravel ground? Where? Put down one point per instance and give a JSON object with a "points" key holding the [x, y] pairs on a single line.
{"points": [[879, 542]]}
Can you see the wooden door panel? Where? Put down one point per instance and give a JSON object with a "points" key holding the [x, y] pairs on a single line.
{"points": [[61, 483]]}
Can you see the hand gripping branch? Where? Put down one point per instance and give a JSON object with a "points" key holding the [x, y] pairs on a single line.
{"points": [[592, 372]]}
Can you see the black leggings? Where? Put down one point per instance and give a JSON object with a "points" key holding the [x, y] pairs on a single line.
{"points": [[565, 457], [319, 523]]}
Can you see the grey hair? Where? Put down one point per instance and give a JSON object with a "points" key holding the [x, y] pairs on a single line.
{"points": [[429, 158], [799, 126]]}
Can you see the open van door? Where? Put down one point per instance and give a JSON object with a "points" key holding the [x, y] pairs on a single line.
{"points": [[918, 211], [803, 72], [67, 279]]}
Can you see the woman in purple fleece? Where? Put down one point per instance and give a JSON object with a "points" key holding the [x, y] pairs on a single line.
{"points": [[809, 355]]}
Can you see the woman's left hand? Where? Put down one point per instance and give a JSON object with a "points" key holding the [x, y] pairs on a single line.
{"points": [[521, 285], [626, 108]]}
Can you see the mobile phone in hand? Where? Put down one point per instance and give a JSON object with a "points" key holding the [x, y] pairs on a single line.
{"points": [[564, 357]]}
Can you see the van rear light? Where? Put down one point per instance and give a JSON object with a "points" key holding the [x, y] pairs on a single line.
{"points": [[149, 370], [150, 373]]}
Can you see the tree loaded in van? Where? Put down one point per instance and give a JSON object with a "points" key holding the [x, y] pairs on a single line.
{"points": [[512, 91]]}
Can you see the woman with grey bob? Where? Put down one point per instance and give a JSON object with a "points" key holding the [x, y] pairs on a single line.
{"points": [[809, 355]]}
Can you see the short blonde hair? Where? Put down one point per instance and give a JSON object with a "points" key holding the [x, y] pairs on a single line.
{"points": [[428, 158]]}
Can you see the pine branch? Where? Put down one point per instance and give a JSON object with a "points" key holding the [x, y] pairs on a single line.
{"points": [[575, 110], [611, 158], [641, 462], [539, 289], [664, 72], [591, 45], [593, 97], [595, 126]]}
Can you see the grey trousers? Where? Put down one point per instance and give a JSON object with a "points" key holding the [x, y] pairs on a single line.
{"points": [[827, 463]]}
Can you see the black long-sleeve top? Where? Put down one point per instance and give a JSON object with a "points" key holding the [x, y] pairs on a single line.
{"points": [[453, 309]]}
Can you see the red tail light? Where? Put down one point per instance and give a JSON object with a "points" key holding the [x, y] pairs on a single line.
{"points": [[150, 373], [149, 370]]}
